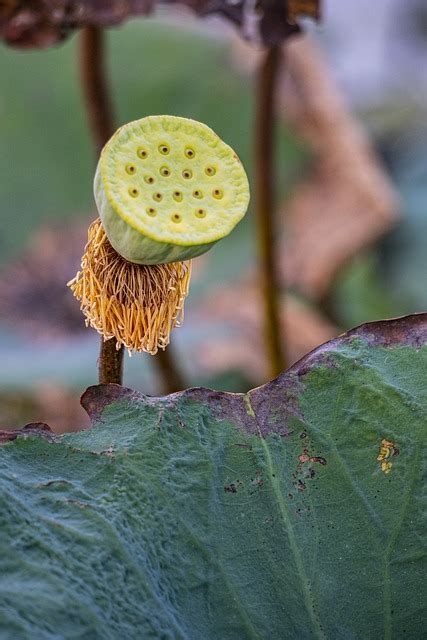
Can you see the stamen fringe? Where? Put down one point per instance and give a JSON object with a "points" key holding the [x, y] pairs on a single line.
{"points": [[138, 305]]}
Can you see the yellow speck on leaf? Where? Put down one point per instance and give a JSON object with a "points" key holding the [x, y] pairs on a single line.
{"points": [[386, 467], [387, 449]]}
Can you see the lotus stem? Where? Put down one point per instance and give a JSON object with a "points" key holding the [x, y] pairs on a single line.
{"points": [[266, 205], [101, 121], [100, 115]]}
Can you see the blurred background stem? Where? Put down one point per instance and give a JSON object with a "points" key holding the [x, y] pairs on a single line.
{"points": [[101, 121], [264, 166]]}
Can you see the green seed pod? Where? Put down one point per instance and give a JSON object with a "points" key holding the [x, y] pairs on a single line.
{"points": [[167, 189]]}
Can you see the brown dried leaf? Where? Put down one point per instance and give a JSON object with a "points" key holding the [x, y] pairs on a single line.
{"points": [[310, 8], [241, 346], [32, 23], [55, 404], [33, 295], [347, 203], [41, 23]]}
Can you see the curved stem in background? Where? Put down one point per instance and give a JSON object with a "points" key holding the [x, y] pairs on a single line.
{"points": [[100, 115], [171, 377], [265, 206]]}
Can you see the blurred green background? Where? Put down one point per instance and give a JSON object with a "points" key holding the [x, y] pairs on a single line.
{"points": [[156, 66]]}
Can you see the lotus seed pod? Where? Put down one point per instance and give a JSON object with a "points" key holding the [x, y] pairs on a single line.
{"points": [[167, 189]]}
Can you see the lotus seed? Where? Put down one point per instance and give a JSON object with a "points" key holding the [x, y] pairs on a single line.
{"points": [[164, 149], [157, 196], [149, 179], [133, 192], [189, 152], [197, 194], [177, 196], [176, 217], [164, 171], [130, 169], [187, 174], [217, 193], [151, 212], [200, 213], [142, 153], [210, 171]]}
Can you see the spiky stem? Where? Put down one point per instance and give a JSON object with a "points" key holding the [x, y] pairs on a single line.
{"points": [[100, 115], [265, 206]]}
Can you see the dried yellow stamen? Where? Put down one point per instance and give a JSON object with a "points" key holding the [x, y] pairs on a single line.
{"points": [[138, 305]]}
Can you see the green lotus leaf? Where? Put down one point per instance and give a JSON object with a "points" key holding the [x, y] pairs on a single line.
{"points": [[295, 511]]}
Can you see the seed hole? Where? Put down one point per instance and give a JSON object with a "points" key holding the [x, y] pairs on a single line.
{"points": [[164, 149], [133, 191], [149, 179], [190, 153], [151, 211], [197, 194], [176, 217], [217, 193], [157, 196], [187, 174], [142, 153], [200, 213], [164, 171], [130, 169], [210, 171], [177, 196]]}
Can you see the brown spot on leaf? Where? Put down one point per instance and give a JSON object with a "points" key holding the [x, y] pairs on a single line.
{"points": [[258, 481], [306, 457]]}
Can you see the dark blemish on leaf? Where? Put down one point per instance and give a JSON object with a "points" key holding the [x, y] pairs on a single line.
{"points": [[310, 473], [243, 445], [301, 486], [230, 488], [303, 435], [290, 496], [106, 452], [318, 459], [306, 457], [78, 503], [258, 481], [49, 483]]}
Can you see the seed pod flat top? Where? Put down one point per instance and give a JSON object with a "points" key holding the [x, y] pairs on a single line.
{"points": [[175, 183]]}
